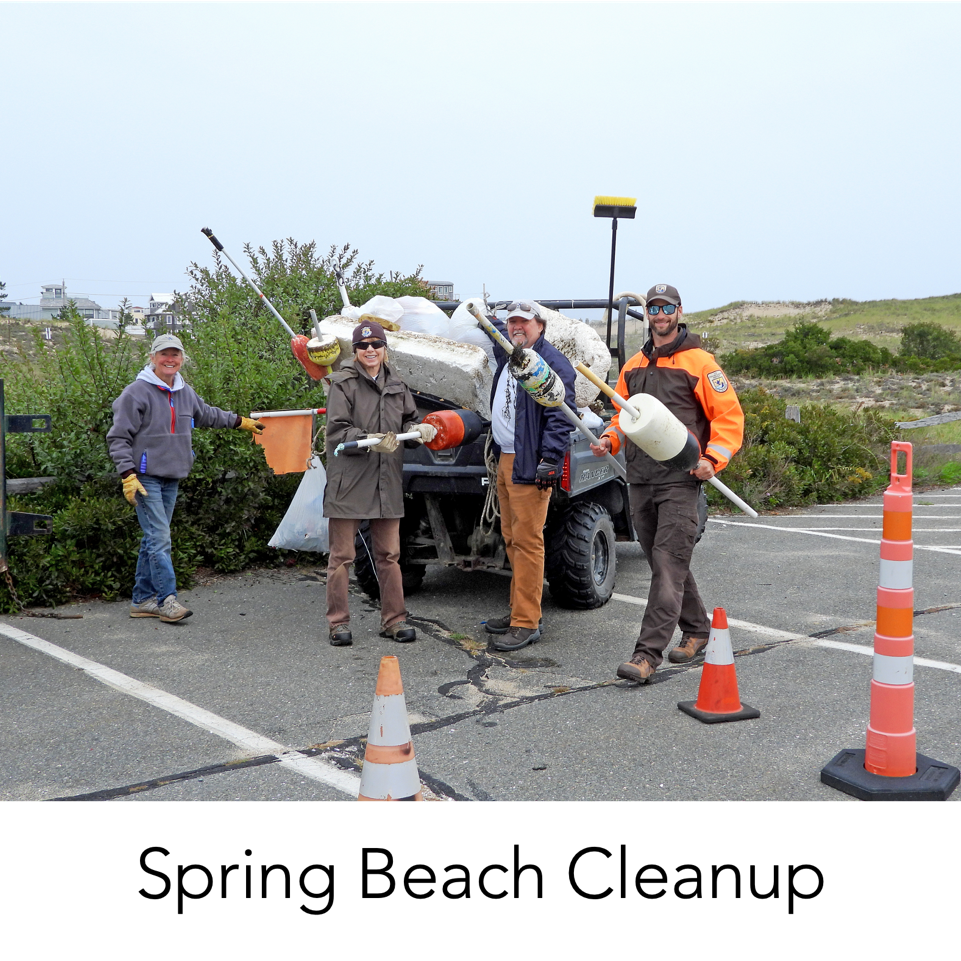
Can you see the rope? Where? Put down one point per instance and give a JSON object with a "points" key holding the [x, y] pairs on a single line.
{"points": [[491, 510]]}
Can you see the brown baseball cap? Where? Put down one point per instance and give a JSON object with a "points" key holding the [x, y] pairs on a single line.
{"points": [[368, 330], [664, 292]]}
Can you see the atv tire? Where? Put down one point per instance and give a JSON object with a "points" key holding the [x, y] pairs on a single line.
{"points": [[581, 562], [366, 573]]}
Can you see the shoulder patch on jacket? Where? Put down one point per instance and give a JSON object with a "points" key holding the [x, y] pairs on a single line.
{"points": [[717, 380]]}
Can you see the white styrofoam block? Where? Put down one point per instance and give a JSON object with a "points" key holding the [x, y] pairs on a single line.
{"points": [[579, 343], [456, 372]]}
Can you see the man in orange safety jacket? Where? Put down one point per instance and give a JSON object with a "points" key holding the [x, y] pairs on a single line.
{"points": [[672, 367]]}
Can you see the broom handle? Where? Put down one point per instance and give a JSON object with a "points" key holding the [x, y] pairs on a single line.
{"points": [[713, 481], [209, 234]]}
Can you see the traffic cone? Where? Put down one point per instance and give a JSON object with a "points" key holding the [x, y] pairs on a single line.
{"points": [[390, 771], [717, 697], [889, 768]]}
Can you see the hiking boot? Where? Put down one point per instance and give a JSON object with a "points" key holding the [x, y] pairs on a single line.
{"points": [[147, 608], [518, 637], [689, 648], [501, 625], [401, 632], [638, 668], [172, 610], [340, 636]]}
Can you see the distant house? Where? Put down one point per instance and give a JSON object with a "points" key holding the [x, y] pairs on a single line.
{"points": [[441, 289], [54, 297], [163, 317]]}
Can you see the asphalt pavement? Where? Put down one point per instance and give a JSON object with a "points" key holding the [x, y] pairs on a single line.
{"points": [[246, 700]]}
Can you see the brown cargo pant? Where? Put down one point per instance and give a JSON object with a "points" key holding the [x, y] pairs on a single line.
{"points": [[523, 513], [385, 533], [665, 518]]}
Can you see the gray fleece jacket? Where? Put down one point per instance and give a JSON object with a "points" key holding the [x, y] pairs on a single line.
{"points": [[152, 424]]}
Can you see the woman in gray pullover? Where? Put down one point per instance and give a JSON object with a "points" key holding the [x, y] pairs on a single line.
{"points": [[150, 446]]}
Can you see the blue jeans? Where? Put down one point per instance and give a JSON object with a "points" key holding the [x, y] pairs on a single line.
{"points": [[155, 569]]}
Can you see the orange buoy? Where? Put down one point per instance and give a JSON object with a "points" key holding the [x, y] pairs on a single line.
{"points": [[454, 427]]}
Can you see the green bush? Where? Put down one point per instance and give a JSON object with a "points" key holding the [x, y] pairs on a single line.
{"points": [[808, 351], [930, 342], [239, 359], [831, 455]]}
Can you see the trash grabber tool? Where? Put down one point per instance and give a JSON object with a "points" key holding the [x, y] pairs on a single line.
{"points": [[535, 375], [298, 342], [370, 441], [659, 433], [341, 285]]}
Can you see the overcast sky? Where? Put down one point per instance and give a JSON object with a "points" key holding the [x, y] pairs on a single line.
{"points": [[777, 151]]}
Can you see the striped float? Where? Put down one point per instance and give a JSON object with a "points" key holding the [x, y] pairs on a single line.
{"points": [[390, 770]]}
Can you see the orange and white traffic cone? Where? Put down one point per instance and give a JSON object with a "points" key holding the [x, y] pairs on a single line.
{"points": [[717, 697], [390, 771], [889, 768]]}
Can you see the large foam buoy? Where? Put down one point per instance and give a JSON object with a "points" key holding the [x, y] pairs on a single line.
{"points": [[454, 427], [659, 433]]}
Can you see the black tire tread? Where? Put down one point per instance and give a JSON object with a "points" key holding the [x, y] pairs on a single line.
{"points": [[569, 570]]}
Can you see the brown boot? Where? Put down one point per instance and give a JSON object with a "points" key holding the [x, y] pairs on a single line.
{"points": [[689, 648], [638, 668]]}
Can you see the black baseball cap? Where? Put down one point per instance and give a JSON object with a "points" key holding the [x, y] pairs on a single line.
{"points": [[664, 292]]}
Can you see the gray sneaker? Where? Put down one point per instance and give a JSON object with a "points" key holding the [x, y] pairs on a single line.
{"points": [[147, 608], [172, 610], [501, 625]]}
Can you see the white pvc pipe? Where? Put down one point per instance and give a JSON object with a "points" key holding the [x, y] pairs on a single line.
{"points": [[287, 413]]}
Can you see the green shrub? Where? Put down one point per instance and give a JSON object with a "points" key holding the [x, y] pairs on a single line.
{"points": [[928, 341], [809, 351], [239, 358], [830, 456]]}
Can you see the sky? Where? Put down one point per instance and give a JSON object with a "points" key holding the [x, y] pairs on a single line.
{"points": [[776, 151]]}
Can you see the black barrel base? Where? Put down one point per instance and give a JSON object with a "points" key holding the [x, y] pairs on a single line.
{"points": [[933, 780]]}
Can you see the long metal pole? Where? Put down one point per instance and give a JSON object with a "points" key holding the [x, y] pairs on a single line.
{"points": [[610, 295], [210, 236]]}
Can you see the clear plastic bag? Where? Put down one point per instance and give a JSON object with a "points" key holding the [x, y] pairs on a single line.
{"points": [[304, 527]]}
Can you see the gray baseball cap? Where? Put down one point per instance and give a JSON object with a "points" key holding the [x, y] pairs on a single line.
{"points": [[164, 341], [664, 292]]}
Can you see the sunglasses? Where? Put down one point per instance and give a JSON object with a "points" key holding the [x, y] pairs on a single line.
{"points": [[655, 309], [376, 344], [521, 305]]}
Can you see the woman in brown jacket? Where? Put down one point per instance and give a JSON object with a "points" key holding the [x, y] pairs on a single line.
{"points": [[366, 399]]}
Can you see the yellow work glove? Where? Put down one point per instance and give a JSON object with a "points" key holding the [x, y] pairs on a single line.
{"points": [[132, 487], [388, 443], [254, 426], [427, 432]]}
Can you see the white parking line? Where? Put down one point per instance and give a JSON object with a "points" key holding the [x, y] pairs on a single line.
{"points": [[774, 633], [249, 741], [840, 537]]}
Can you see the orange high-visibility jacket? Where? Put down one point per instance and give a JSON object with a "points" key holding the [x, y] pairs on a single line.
{"points": [[690, 382]]}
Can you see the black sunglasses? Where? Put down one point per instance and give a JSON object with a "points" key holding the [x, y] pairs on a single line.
{"points": [[376, 344], [655, 309]]}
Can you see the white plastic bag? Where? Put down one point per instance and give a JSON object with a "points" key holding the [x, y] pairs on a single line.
{"points": [[304, 527], [423, 316], [386, 309], [464, 329]]}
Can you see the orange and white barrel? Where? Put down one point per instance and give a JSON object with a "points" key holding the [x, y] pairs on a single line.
{"points": [[891, 748], [390, 770]]}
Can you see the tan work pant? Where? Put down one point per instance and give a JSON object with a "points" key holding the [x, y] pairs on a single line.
{"points": [[385, 534], [523, 513]]}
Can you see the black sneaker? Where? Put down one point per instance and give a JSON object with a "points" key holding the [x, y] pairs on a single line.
{"points": [[518, 637], [340, 636], [501, 625]]}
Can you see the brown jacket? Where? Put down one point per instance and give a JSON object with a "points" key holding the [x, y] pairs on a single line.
{"points": [[361, 484]]}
